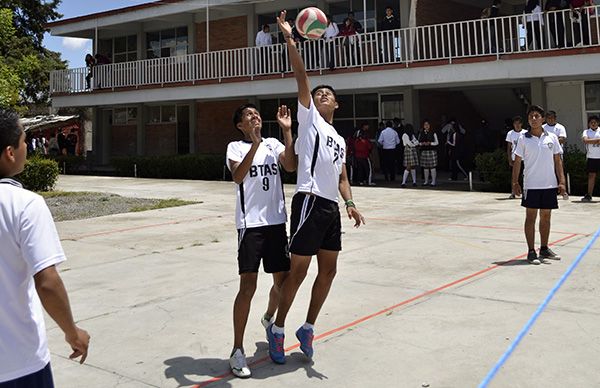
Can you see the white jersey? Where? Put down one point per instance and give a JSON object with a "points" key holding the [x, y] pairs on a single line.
{"points": [[538, 156], [321, 154], [558, 129], [29, 244], [512, 137], [260, 200], [593, 150]]}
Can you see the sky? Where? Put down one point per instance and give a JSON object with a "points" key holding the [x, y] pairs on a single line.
{"points": [[73, 50]]}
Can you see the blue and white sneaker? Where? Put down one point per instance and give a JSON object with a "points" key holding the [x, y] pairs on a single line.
{"points": [[306, 336], [276, 346]]}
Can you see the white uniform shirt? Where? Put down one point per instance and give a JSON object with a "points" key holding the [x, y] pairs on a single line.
{"points": [[558, 129], [512, 137], [536, 15], [29, 243], [263, 38], [409, 141], [538, 156], [321, 154], [389, 139], [260, 200], [331, 31], [593, 150]]}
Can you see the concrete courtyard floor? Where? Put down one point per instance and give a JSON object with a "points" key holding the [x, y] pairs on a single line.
{"points": [[430, 292]]}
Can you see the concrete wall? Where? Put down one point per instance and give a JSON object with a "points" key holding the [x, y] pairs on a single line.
{"points": [[224, 34], [567, 99], [161, 139], [215, 126]]}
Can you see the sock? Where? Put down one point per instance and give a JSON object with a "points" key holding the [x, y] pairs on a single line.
{"points": [[308, 326], [532, 250], [277, 330], [267, 317], [234, 349], [404, 177], [413, 173], [426, 175], [433, 175]]}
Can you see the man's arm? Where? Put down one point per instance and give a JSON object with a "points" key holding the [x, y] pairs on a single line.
{"points": [[288, 157], [240, 169], [587, 140], [558, 168], [509, 153], [296, 61], [515, 175], [55, 300], [346, 192]]}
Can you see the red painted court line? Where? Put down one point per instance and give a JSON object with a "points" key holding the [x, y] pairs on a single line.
{"points": [[385, 310], [463, 225], [113, 231]]}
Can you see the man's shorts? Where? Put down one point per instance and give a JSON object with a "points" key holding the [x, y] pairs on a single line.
{"points": [[540, 199], [269, 243], [593, 165], [39, 379], [315, 224]]}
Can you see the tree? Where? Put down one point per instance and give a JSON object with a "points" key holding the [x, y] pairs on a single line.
{"points": [[31, 16]]}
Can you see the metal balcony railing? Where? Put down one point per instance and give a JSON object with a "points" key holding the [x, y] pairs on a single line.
{"points": [[526, 33]]}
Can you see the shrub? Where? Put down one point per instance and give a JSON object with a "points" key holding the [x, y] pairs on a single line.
{"points": [[493, 167], [575, 166], [40, 174], [69, 164], [192, 166]]}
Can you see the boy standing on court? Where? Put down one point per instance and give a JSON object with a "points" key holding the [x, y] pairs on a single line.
{"points": [[540, 151], [315, 223], [30, 251], [512, 139], [591, 139], [260, 216]]}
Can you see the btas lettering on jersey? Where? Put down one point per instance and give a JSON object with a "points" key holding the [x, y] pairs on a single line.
{"points": [[264, 170], [338, 151]]}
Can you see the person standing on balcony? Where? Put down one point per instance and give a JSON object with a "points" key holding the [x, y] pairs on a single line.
{"points": [[29, 282], [535, 25], [556, 23], [591, 139], [540, 152], [263, 42], [315, 221], [580, 19], [329, 35], [494, 25], [260, 216], [349, 42], [357, 25], [388, 24], [555, 127], [90, 62], [388, 140]]}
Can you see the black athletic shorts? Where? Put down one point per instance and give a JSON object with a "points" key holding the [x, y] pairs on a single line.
{"points": [[315, 224], [540, 199], [268, 243], [593, 165], [39, 379]]}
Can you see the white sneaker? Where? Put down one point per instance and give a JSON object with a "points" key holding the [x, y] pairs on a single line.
{"points": [[238, 364]]}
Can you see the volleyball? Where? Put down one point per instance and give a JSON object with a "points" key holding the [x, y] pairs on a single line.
{"points": [[311, 23]]}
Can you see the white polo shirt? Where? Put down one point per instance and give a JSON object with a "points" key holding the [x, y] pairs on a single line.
{"points": [[593, 150], [538, 156], [558, 129], [260, 199], [389, 139], [512, 137], [321, 154], [29, 243]]}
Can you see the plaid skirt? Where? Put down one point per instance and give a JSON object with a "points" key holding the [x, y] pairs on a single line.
{"points": [[429, 159], [410, 157]]}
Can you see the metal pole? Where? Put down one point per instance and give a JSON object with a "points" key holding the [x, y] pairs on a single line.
{"points": [[364, 15], [207, 28], [135, 170], [96, 39], [470, 180]]}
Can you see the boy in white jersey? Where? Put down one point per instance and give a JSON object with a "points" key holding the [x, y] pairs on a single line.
{"points": [[260, 216], [591, 139], [540, 151], [512, 138], [30, 249], [315, 222], [555, 127]]}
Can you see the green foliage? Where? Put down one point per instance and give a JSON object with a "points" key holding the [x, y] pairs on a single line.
{"points": [[575, 165], [40, 174], [31, 16], [192, 166], [69, 164], [493, 167]]}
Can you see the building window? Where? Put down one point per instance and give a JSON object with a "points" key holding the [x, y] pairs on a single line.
{"points": [[125, 116], [592, 97], [167, 43], [339, 12], [119, 49], [162, 114]]}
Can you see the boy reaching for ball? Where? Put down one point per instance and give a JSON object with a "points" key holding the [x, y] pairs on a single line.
{"points": [[315, 221]]}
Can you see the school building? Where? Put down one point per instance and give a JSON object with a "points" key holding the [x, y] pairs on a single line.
{"points": [[179, 68]]}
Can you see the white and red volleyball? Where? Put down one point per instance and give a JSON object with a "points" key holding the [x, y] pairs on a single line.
{"points": [[311, 23]]}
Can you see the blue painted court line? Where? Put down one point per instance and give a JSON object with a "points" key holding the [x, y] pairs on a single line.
{"points": [[537, 313]]}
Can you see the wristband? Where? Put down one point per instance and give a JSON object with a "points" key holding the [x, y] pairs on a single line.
{"points": [[350, 203]]}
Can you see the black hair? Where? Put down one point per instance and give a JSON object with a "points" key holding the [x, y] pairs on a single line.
{"points": [[409, 130], [10, 130], [496, 2], [594, 117], [425, 121], [517, 118], [237, 115], [551, 113], [312, 93], [536, 108], [389, 123]]}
